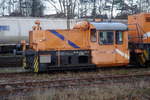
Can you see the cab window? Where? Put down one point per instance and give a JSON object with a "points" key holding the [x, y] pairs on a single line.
{"points": [[119, 37], [106, 37], [93, 35]]}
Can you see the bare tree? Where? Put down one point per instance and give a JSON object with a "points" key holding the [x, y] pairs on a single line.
{"points": [[37, 8], [61, 7], [22, 7], [75, 8]]}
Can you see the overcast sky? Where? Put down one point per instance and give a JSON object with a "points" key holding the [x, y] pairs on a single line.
{"points": [[49, 9]]}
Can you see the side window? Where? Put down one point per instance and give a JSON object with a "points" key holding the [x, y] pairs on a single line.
{"points": [[106, 37], [93, 35], [119, 37]]}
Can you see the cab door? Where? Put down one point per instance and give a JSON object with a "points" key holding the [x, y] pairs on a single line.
{"points": [[121, 47], [103, 53]]}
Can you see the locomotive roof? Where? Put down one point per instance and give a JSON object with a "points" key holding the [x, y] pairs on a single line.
{"points": [[110, 26]]}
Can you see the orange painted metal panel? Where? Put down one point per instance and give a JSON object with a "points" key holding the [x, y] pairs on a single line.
{"points": [[110, 55], [59, 39], [139, 26]]}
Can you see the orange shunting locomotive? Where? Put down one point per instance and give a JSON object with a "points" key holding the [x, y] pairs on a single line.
{"points": [[88, 45]]}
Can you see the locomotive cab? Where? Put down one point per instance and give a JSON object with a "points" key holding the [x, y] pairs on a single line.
{"points": [[109, 44]]}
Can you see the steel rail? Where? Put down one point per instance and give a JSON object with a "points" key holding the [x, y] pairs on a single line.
{"points": [[29, 86], [71, 80]]}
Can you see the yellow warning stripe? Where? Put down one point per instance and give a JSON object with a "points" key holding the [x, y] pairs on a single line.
{"points": [[24, 62], [145, 53], [143, 58], [36, 64]]}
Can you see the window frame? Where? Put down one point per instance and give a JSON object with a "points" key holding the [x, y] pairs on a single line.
{"points": [[116, 42], [106, 31], [91, 36]]}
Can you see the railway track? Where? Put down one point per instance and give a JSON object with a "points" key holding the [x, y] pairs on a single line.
{"points": [[32, 85], [23, 71], [14, 74]]}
